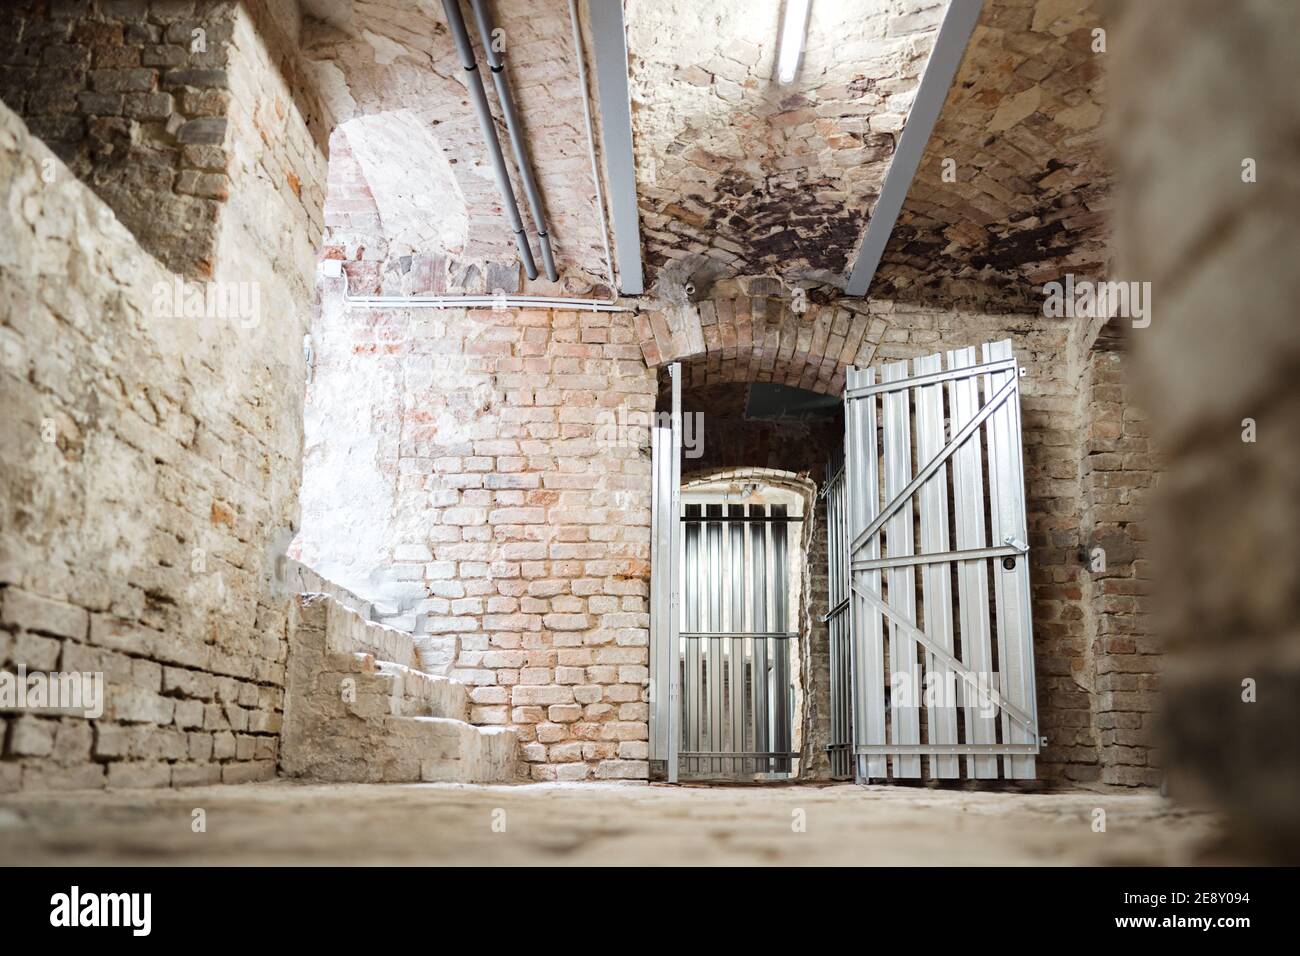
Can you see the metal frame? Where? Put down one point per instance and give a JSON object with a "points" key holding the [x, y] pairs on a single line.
{"points": [[840, 748], [665, 599], [721, 627], [956, 637], [734, 644]]}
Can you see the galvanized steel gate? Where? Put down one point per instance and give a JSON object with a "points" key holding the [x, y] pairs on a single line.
{"points": [[735, 647], [721, 629], [953, 675]]}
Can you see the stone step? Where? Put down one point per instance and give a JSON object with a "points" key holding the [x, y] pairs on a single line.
{"points": [[417, 694], [349, 632], [352, 717], [453, 751], [412, 750]]}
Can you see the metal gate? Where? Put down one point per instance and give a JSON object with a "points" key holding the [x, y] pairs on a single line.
{"points": [[930, 504], [722, 628], [735, 642]]}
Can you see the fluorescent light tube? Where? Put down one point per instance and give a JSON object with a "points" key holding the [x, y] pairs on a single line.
{"points": [[792, 27]]}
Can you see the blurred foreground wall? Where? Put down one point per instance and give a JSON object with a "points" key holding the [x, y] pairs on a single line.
{"points": [[1201, 91]]}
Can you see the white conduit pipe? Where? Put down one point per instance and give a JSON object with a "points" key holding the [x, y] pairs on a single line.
{"points": [[521, 301]]}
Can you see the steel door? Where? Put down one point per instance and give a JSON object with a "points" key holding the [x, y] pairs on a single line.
{"points": [[930, 566]]}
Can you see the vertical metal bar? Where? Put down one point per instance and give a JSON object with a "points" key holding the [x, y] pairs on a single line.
{"points": [[694, 622], [675, 549], [609, 42], [658, 607], [936, 579], [904, 709], [758, 562], [714, 648], [972, 576], [782, 736], [1010, 586], [736, 646], [832, 599], [843, 691], [862, 475]]}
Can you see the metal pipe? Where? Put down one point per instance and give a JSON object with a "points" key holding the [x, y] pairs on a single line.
{"points": [[497, 66], [474, 83], [476, 301]]}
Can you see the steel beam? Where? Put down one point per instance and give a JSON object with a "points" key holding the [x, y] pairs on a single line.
{"points": [[610, 45], [949, 47]]}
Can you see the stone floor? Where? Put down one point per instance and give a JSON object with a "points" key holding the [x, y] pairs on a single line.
{"points": [[598, 824]]}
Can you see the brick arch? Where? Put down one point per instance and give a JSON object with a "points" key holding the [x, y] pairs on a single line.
{"points": [[761, 339]]}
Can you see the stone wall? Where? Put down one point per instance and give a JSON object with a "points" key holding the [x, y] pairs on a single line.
{"points": [[1221, 355], [483, 478], [152, 464]]}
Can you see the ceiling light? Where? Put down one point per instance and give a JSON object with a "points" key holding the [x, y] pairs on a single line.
{"points": [[792, 28]]}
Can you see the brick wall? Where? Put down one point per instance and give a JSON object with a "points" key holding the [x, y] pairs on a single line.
{"points": [[133, 96], [143, 99], [1118, 471], [152, 471], [1052, 423], [485, 498], [1013, 188], [399, 59], [738, 174], [453, 490]]}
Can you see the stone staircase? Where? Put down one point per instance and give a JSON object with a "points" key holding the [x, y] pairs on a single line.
{"points": [[358, 708]]}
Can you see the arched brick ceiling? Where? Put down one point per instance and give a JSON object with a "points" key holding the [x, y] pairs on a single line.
{"points": [[1022, 123], [396, 57], [757, 338], [737, 175], [740, 177]]}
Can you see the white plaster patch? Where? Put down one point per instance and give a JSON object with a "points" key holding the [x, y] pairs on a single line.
{"points": [[386, 50]]}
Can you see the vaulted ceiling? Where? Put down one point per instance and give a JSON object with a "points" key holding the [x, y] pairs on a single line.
{"points": [[385, 66], [1022, 125], [736, 175]]}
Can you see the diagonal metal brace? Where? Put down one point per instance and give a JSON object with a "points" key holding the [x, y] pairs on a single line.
{"points": [[962, 671], [933, 465]]}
